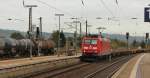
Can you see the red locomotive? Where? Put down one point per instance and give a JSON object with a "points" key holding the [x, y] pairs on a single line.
{"points": [[95, 46]]}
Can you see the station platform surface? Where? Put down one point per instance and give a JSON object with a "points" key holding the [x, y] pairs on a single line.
{"points": [[137, 67], [26, 61]]}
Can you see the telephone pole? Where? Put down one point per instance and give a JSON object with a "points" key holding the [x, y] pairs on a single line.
{"points": [[86, 27], [80, 29], [40, 27]]}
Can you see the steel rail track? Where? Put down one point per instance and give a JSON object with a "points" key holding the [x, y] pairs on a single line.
{"points": [[50, 74], [93, 74], [57, 71]]}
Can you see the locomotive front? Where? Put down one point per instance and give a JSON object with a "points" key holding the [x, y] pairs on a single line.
{"points": [[95, 46], [89, 47]]}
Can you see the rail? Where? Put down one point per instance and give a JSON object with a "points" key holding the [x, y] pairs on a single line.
{"points": [[46, 64], [105, 67]]}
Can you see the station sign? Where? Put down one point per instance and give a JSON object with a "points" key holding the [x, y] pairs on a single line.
{"points": [[147, 14]]}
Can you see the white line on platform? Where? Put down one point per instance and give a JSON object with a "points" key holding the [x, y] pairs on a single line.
{"points": [[135, 68]]}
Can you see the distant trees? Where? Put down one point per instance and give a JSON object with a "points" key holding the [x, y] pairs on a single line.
{"points": [[55, 37], [135, 43], [117, 43], [17, 35], [143, 44], [62, 39]]}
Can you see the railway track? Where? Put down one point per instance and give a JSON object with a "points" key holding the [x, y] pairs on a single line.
{"points": [[55, 72], [110, 68], [104, 69]]}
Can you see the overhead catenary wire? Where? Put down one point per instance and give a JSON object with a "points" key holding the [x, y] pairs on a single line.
{"points": [[82, 2], [50, 6], [107, 8], [116, 2]]}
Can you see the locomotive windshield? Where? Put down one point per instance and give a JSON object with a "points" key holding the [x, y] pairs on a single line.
{"points": [[90, 41]]}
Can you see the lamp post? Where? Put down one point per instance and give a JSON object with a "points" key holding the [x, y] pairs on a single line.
{"points": [[40, 24], [30, 15], [100, 28], [58, 47], [30, 31]]}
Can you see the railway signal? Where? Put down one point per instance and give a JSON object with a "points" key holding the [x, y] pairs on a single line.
{"points": [[127, 37], [147, 35], [37, 32], [146, 39]]}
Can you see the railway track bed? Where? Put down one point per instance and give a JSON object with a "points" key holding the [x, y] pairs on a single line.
{"points": [[103, 69]]}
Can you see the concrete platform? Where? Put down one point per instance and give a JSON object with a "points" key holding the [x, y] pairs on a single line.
{"points": [[138, 67], [26, 61], [23, 67]]}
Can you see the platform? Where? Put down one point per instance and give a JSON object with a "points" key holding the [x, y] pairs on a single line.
{"points": [[18, 68], [137, 67], [26, 61]]}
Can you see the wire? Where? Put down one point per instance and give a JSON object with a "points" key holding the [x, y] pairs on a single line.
{"points": [[82, 2], [107, 8], [117, 3], [54, 7]]}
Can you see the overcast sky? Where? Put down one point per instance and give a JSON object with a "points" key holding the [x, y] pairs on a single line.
{"points": [[123, 12]]}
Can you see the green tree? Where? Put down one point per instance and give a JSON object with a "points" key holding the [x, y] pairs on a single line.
{"points": [[55, 37], [117, 43], [135, 43], [70, 39], [62, 39], [17, 35], [143, 44]]}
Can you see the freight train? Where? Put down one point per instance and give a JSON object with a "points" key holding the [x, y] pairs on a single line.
{"points": [[95, 46], [11, 47]]}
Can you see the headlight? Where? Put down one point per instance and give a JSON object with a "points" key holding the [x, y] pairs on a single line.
{"points": [[85, 47], [94, 48]]}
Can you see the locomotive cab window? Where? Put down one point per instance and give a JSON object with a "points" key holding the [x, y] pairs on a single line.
{"points": [[90, 41]]}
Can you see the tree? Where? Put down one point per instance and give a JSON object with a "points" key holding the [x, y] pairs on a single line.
{"points": [[143, 44], [17, 35], [62, 39], [117, 43], [55, 37], [134, 43], [70, 39]]}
